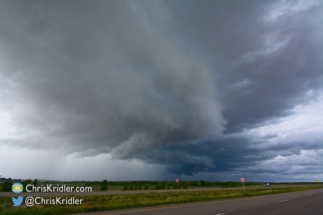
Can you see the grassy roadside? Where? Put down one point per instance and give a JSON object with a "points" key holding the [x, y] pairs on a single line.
{"points": [[110, 202]]}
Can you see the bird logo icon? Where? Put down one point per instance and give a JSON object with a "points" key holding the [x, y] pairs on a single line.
{"points": [[17, 201]]}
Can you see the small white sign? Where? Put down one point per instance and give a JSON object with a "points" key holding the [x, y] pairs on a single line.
{"points": [[242, 179]]}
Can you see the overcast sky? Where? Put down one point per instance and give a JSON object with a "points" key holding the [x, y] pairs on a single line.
{"points": [[158, 90]]}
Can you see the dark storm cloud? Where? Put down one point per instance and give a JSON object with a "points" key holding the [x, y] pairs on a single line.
{"points": [[96, 78], [160, 81], [266, 65]]}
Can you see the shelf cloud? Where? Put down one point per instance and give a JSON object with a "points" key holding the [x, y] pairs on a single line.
{"points": [[225, 87]]}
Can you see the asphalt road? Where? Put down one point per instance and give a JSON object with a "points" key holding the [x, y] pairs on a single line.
{"points": [[120, 192], [307, 202], [114, 192], [124, 192]]}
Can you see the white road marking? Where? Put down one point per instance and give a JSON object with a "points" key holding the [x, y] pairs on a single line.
{"points": [[220, 214], [190, 204], [283, 201], [309, 194]]}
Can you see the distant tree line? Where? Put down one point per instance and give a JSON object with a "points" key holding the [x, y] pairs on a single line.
{"points": [[161, 185]]}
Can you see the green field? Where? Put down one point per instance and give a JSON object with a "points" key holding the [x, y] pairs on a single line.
{"points": [[109, 202]]}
